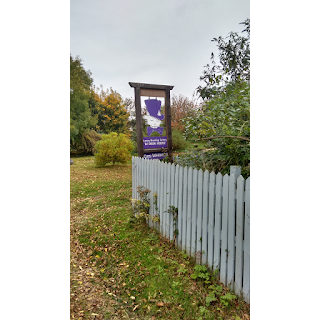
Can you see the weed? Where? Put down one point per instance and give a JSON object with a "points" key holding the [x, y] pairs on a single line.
{"points": [[141, 206], [174, 211], [182, 270], [227, 299], [184, 254], [201, 273], [203, 311], [211, 297]]}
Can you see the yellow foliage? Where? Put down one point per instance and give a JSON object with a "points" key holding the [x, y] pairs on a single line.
{"points": [[113, 148], [112, 114]]}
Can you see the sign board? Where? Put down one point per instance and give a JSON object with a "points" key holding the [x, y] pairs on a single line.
{"points": [[155, 145], [153, 156]]}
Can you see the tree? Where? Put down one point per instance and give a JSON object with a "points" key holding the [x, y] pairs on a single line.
{"points": [[182, 108], [89, 140], [113, 148], [224, 122], [233, 64], [81, 118], [110, 110], [224, 119]]}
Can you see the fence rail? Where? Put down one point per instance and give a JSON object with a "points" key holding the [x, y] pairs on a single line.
{"points": [[213, 215]]}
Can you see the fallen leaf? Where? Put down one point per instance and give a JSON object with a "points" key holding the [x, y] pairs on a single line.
{"points": [[160, 304], [94, 314], [137, 306], [133, 298]]}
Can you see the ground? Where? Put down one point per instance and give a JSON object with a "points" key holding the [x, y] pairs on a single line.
{"points": [[122, 269]]}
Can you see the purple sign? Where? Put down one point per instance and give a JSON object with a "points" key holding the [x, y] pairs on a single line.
{"points": [[154, 116], [154, 156], [155, 143]]}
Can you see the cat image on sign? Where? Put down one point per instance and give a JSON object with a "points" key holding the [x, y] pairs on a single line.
{"points": [[154, 116]]}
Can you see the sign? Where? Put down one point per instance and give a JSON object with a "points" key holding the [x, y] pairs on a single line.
{"points": [[155, 143], [155, 156]]}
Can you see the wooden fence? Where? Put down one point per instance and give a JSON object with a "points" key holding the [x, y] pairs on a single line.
{"points": [[213, 215]]}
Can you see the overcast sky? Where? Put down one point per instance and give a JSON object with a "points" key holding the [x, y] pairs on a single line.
{"points": [[150, 41]]}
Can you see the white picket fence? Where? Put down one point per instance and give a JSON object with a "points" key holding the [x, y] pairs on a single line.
{"points": [[213, 215]]}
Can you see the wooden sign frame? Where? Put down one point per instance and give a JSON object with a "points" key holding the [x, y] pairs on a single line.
{"points": [[152, 90]]}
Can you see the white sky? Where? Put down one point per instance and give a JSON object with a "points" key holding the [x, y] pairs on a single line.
{"points": [[159, 42]]}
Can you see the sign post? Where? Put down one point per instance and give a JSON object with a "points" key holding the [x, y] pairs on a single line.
{"points": [[155, 146]]}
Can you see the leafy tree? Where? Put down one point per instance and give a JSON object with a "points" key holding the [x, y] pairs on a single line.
{"points": [[233, 64], [224, 119], [225, 115], [81, 118], [224, 122], [110, 110], [89, 140], [131, 110], [113, 148]]}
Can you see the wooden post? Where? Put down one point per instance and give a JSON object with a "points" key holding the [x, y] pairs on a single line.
{"points": [[168, 124], [138, 121]]}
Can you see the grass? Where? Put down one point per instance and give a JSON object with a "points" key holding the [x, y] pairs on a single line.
{"points": [[122, 269]]}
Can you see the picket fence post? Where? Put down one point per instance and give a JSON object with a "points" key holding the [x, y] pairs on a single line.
{"points": [[194, 212], [179, 206], [211, 219], [239, 235], [224, 230], [246, 244], [235, 172], [217, 222], [162, 197], [189, 207], [205, 218], [184, 208], [199, 217], [133, 179], [176, 197]]}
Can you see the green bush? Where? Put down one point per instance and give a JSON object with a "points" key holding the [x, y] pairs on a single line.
{"points": [[178, 141], [113, 148]]}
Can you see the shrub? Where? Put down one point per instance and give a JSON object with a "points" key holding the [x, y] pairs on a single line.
{"points": [[113, 148], [178, 141]]}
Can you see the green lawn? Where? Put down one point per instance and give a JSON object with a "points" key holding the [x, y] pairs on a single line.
{"points": [[121, 269]]}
